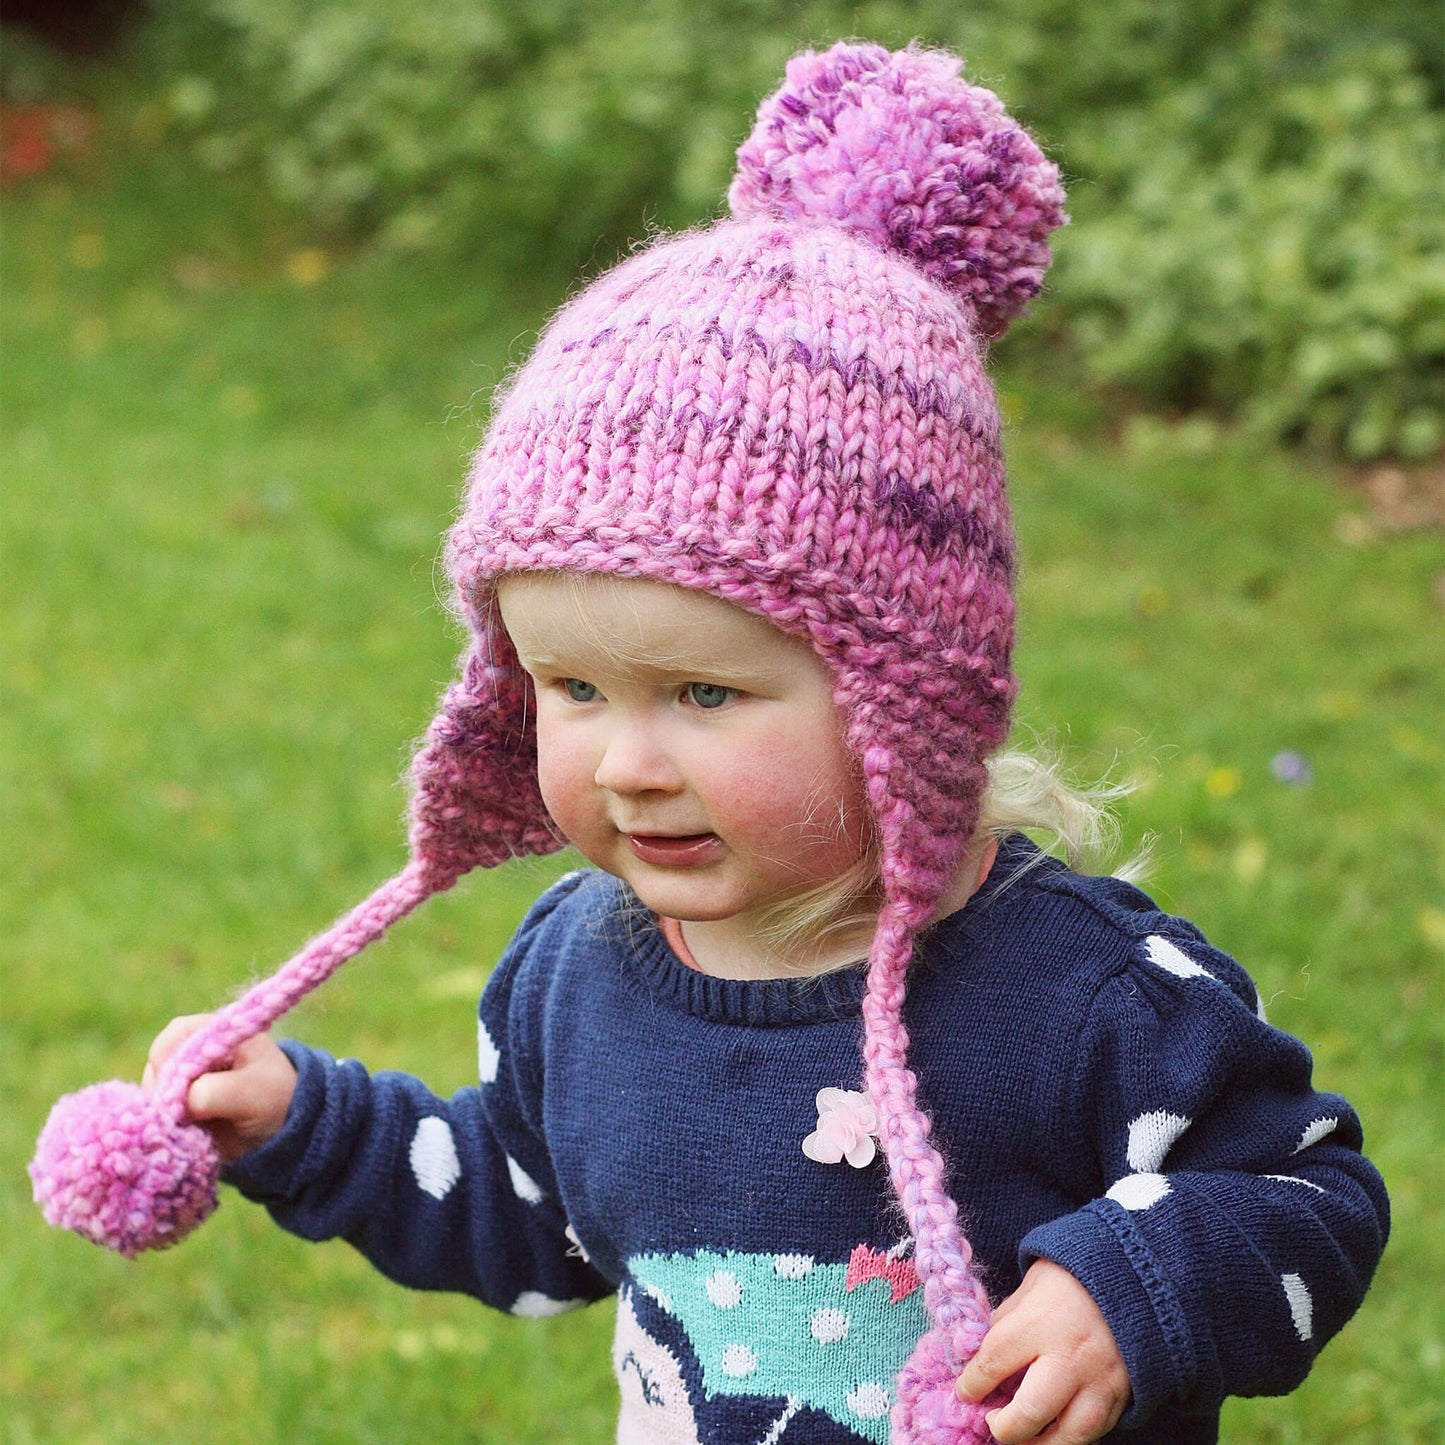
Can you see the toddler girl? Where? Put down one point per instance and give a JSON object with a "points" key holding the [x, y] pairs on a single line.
{"points": [[737, 570]]}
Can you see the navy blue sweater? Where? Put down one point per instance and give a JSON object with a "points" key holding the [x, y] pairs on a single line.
{"points": [[1101, 1081]]}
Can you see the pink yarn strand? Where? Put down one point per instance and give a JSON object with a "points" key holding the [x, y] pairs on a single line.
{"points": [[926, 1409], [257, 1009], [942, 1254], [122, 1164]]}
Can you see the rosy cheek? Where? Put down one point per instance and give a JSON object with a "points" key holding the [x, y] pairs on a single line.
{"points": [[786, 802], [804, 799], [564, 778]]}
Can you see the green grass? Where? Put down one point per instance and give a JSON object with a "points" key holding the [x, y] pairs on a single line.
{"points": [[222, 493]]}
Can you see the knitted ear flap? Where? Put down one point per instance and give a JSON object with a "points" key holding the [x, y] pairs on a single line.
{"points": [[476, 799], [123, 1165]]}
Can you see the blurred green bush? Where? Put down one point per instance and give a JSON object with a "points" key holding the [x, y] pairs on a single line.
{"points": [[1255, 184]]}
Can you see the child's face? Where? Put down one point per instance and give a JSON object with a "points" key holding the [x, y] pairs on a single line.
{"points": [[686, 746]]}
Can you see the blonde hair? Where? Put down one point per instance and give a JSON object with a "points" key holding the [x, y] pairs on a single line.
{"points": [[1030, 792], [1027, 792]]}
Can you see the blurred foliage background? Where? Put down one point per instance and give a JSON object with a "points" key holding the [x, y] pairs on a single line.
{"points": [[262, 263], [1255, 184]]}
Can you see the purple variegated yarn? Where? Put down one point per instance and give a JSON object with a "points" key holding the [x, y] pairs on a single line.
{"points": [[895, 148], [118, 1165], [788, 410]]}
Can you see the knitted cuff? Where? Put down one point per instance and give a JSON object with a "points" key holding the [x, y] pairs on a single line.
{"points": [[1103, 1248]]}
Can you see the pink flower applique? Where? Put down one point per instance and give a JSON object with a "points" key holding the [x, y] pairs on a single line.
{"points": [[847, 1125]]}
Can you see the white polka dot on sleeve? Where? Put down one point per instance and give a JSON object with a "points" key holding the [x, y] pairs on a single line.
{"points": [[523, 1185], [433, 1157], [1137, 1192], [489, 1057], [1301, 1305], [1295, 1179], [1151, 1137], [1316, 1131], [1171, 959]]}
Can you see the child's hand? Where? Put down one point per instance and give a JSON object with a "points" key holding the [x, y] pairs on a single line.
{"points": [[243, 1104], [1075, 1386]]}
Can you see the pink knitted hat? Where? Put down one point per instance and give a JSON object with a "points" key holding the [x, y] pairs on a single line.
{"points": [[787, 410]]}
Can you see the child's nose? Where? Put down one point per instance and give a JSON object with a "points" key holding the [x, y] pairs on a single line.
{"points": [[636, 760]]}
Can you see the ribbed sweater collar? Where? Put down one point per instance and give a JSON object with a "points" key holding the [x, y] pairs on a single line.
{"points": [[753, 1003], [749, 1002]]}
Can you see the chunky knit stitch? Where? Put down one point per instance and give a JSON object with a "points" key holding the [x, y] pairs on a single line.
{"points": [[787, 410]]}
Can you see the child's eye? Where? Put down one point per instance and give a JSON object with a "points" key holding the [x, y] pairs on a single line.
{"points": [[708, 694], [580, 691]]}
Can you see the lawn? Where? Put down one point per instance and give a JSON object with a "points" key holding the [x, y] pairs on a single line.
{"points": [[228, 455]]}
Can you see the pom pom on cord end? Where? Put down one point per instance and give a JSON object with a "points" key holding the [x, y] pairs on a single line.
{"points": [[928, 1410], [116, 1163], [122, 1164]]}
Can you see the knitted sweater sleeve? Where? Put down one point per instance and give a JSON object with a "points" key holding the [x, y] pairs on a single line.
{"points": [[1238, 1224], [450, 1194]]}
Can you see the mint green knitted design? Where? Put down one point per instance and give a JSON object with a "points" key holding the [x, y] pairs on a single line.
{"points": [[786, 1326]]}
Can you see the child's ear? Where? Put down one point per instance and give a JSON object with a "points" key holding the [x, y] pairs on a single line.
{"points": [[986, 861]]}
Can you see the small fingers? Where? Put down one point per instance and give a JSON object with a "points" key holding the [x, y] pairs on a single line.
{"points": [[242, 1086], [246, 1103], [1051, 1408], [1085, 1419], [997, 1358], [212, 1096], [168, 1041], [1040, 1399]]}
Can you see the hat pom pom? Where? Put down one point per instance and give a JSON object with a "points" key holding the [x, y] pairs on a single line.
{"points": [[116, 1164], [898, 148], [928, 1411]]}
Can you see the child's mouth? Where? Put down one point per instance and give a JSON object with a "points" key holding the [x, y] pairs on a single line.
{"points": [[674, 851]]}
